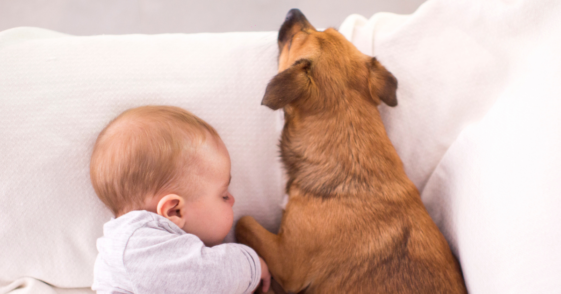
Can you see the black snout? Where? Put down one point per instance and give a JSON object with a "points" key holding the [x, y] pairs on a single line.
{"points": [[295, 21]]}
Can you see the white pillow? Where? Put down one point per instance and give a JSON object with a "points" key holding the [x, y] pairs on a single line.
{"points": [[493, 188], [57, 92]]}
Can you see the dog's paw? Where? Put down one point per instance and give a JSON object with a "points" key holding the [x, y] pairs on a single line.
{"points": [[243, 229]]}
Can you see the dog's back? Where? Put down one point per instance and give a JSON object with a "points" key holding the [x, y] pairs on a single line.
{"points": [[399, 255], [380, 241]]}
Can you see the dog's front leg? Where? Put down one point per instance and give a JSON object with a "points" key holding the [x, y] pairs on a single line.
{"points": [[271, 248]]}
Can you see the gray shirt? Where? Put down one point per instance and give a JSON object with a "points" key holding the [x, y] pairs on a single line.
{"points": [[143, 252]]}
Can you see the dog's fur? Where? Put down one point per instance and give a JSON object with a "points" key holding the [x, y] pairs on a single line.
{"points": [[354, 222]]}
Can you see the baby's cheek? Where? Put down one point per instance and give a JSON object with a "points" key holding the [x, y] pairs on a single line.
{"points": [[229, 217], [230, 213]]}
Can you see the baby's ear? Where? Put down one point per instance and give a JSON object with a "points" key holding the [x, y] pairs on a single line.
{"points": [[172, 207]]}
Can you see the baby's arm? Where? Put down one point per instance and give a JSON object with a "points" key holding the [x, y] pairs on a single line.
{"points": [[161, 262]]}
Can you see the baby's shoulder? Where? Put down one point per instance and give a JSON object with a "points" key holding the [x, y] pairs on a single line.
{"points": [[138, 224], [145, 223]]}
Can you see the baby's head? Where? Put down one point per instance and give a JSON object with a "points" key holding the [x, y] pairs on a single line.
{"points": [[168, 161]]}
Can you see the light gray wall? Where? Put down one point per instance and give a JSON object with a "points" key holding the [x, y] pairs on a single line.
{"points": [[90, 17]]}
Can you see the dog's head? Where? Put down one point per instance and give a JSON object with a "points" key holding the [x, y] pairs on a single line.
{"points": [[319, 69]]}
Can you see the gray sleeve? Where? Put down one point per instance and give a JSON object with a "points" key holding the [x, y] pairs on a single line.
{"points": [[159, 262]]}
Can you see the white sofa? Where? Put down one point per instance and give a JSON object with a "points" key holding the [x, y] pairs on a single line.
{"points": [[478, 127]]}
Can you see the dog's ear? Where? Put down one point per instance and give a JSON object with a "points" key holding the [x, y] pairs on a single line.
{"points": [[289, 85], [382, 84]]}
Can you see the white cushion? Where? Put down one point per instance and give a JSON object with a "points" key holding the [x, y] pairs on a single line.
{"points": [[478, 127], [57, 92]]}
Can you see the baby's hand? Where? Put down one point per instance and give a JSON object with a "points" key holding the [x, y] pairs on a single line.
{"points": [[265, 275]]}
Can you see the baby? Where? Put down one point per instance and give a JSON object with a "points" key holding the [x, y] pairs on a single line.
{"points": [[164, 173]]}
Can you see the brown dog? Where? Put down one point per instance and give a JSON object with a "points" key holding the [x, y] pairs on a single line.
{"points": [[354, 222]]}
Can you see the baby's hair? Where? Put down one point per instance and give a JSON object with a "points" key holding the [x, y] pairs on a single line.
{"points": [[142, 153]]}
